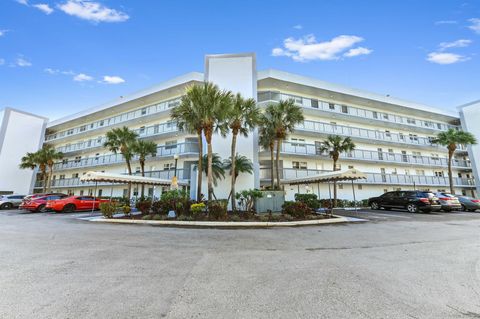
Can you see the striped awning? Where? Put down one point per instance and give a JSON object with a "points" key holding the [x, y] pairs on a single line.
{"points": [[333, 176], [125, 179]]}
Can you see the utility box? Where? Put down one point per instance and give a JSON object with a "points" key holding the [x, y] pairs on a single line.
{"points": [[271, 201]]}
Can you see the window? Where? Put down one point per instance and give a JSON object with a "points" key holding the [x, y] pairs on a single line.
{"points": [[297, 141], [344, 109], [401, 136], [101, 123], [170, 124], [416, 154], [141, 130], [170, 145], [439, 173], [100, 191], [70, 132], [91, 125], [387, 133], [97, 155], [83, 128], [137, 169], [314, 103], [144, 111], [331, 106], [168, 166], [439, 126], [411, 121], [299, 165], [394, 171], [156, 128], [75, 175], [78, 159], [360, 187], [413, 137], [375, 115], [385, 116], [61, 177], [65, 161], [435, 157], [350, 166]]}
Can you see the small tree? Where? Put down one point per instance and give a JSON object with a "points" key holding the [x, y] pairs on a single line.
{"points": [[451, 139], [242, 165], [267, 141], [334, 145]]}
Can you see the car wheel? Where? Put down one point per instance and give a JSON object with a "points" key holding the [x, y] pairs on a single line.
{"points": [[374, 205], [412, 208], [464, 208], [41, 209], [447, 210], [7, 206], [69, 208]]}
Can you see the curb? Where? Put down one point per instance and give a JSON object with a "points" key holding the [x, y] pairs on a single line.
{"points": [[208, 224]]}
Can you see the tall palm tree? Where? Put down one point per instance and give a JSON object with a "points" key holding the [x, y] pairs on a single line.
{"points": [[214, 108], [187, 116], [334, 145], [241, 165], [266, 140], [218, 168], [451, 139], [285, 115], [121, 140], [51, 155], [242, 118], [144, 149]]}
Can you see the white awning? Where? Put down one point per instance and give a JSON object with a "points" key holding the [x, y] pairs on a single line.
{"points": [[342, 175], [125, 179]]}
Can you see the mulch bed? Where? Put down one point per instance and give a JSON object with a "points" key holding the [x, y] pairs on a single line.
{"points": [[234, 218]]}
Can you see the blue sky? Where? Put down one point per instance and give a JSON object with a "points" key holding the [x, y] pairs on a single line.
{"points": [[61, 56]]}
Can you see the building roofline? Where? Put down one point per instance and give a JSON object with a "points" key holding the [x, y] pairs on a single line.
{"points": [[182, 79], [11, 109], [309, 81], [460, 107]]}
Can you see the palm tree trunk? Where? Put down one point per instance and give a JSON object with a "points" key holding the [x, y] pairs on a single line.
{"points": [[272, 179], [234, 177], [450, 177], [50, 174], [129, 168], [334, 186], [45, 178], [200, 167], [209, 170], [142, 167], [277, 162]]}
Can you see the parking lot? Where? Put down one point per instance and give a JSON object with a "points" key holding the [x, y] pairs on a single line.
{"points": [[396, 265]]}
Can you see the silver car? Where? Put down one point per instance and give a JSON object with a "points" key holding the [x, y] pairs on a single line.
{"points": [[10, 201], [469, 203], [448, 201]]}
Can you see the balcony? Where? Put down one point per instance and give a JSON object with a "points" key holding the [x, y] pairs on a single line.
{"points": [[163, 151], [182, 174], [377, 178], [149, 131], [354, 112], [115, 120], [373, 156], [366, 134]]}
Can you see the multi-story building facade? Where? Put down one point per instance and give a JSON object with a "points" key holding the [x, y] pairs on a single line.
{"points": [[394, 138]]}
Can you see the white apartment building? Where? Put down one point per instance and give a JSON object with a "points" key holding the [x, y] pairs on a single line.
{"points": [[393, 137]]}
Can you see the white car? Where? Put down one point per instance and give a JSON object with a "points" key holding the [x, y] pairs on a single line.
{"points": [[10, 201]]}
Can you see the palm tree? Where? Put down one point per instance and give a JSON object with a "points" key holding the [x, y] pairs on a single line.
{"points": [[267, 141], [187, 116], [29, 161], [121, 140], [218, 169], [451, 139], [241, 165], [51, 155], [242, 118], [335, 145], [214, 107], [285, 115], [144, 149]]}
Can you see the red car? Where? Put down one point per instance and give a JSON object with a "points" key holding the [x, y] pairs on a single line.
{"points": [[75, 203], [38, 203]]}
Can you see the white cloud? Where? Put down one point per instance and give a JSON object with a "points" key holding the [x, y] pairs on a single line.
{"points": [[22, 62], [81, 77], [475, 26], [455, 44], [24, 2], [112, 79], [92, 11], [445, 58], [308, 49], [2, 61], [51, 71], [357, 51], [43, 7], [298, 27], [446, 22], [3, 32]]}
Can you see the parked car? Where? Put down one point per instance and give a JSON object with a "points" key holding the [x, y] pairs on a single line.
{"points": [[39, 203], [10, 201], [413, 201], [469, 203], [448, 201], [75, 203]]}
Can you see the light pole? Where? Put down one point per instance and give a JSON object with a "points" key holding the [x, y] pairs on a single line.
{"points": [[175, 157], [174, 179]]}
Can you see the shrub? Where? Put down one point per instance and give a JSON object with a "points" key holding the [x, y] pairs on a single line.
{"points": [[287, 217], [234, 218], [185, 218], [197, 210], [246, 199], [217, 210], [176, 200], [159, 217], [296, 209], [108, 209], [264, 218], [126, 210], [144, 206], [147, 217], [308, 199]]}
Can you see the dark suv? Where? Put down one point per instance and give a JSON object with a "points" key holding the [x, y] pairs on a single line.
{"points": [[413, 201]]}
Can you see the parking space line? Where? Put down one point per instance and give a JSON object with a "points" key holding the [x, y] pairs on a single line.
{"points": [[391, 215]]}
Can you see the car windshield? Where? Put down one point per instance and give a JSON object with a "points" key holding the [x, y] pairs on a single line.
{"points": [[427, 195]]}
